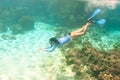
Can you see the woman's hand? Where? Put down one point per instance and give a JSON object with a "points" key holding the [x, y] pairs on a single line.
{"points": [[42, 49]]}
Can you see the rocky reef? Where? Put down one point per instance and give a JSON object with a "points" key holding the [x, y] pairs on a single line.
{"points": [[98, 64], [2, 28], [64, 13], [16, 19], [25, 23]]}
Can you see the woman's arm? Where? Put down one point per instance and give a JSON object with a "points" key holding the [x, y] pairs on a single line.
{"points": [[50, 49]]}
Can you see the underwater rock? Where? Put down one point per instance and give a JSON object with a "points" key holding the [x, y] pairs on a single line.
{"points": [[115, 69], [102, 65], [117, 46], [17, 29], [116, 78], [10, 15], [2, 28], [26, 22], [8, 37]]}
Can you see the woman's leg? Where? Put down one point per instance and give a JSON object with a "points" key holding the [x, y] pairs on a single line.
{"points": [[81, 31]]}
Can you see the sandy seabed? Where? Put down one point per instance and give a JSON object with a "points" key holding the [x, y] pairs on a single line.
{"points": [[21, 59]]}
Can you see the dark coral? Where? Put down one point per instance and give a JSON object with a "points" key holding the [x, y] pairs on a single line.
{"points": [[103, 65]]}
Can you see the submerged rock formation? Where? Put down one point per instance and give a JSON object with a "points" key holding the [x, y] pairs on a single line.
{"points": [[2, 28], [101, 65], [25, 23]]}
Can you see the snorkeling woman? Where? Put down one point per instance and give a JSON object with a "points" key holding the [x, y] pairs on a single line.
{"points": [[55, 42]]}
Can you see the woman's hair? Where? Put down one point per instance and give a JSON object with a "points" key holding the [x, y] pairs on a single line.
{"points": [[53, 40]]}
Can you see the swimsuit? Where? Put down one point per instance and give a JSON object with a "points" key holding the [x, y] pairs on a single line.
{"points": [[65, 39], [62, 41]]}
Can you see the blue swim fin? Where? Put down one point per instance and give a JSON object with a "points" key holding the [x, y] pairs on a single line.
{"points": [[101, 21], [94, 14]]}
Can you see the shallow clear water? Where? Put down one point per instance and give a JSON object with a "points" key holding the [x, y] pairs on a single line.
{"points": [[20, 55]]}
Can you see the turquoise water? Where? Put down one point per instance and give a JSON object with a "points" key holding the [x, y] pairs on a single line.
{"points": [[22, 57], [26, 26]]}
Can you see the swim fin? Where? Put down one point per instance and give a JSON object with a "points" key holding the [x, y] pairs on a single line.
{"points": [[101, 21], [94, 14]]}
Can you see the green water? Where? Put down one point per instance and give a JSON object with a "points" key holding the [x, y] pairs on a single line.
{"points": [[27, 25]]}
